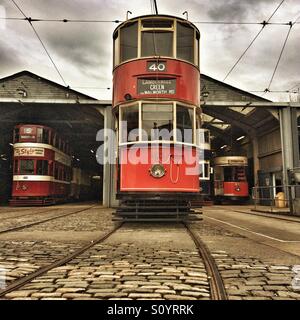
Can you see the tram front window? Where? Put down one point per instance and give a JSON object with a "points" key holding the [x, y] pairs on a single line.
{"points": [[185, 42], [234, 174], [185, 124], [130, 124], [157, 122], [157, 43], [26, 166]]}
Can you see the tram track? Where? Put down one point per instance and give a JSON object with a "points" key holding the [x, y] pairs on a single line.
{"points": [[25, 226], [217, 287], [26, 279], [284, 217], [28, 214]]}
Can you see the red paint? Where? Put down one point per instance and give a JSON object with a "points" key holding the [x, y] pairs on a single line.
{"points": [[136, 177], [187, 76], [39, 189], [236, 189], [34, 188]]}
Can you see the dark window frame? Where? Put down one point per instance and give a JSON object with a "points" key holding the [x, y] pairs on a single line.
{"points": [[22, 170]]}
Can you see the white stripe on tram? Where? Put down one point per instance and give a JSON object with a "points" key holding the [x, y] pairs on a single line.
{"points": [[59, 155], [37, 178]]}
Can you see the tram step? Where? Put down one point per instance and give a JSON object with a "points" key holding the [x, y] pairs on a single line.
{"points": [[151, 207], [28, 202], [153, 210], [151, 213], [157, 219]]}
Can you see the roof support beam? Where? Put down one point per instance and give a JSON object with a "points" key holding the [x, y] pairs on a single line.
{"points": [[246, 128]]}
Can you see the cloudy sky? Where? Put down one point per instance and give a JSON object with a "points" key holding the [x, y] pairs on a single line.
{"points": [[83, 51]]}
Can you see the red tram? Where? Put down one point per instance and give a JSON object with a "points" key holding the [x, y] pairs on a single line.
{"points": [[156, 101], [230, 178], [42, 172]]}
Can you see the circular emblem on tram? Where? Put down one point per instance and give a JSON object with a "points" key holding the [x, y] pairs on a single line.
{"points": [[237, 188], [157, 171]]}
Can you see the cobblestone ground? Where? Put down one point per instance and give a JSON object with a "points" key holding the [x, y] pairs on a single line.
{"points": [[252, 279], [94, 219], [22, 218], [147, 261], [91, 220], [123, 271], [19, 258]]}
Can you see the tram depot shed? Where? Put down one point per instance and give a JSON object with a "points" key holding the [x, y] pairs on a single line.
{"points": [[269, 129]]}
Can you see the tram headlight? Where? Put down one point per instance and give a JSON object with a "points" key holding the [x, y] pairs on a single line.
{"points": [[237, 188], [157, 171]]}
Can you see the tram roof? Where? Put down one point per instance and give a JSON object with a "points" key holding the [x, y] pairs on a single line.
{"points": [[155, 16]]}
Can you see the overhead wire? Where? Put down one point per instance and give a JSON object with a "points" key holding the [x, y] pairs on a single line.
{"points": [[61, 20], [264, 23], [154, 10], [65, 20], [155, 7], [297, 84], [279, 58], [39, 38]]}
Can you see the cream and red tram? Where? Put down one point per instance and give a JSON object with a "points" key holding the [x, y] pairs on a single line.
{"points": [[230, 178], [42, 168], [156, 100]]}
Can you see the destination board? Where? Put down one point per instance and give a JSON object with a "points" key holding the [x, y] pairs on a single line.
{"points": [[24, 152], [156, 86]]}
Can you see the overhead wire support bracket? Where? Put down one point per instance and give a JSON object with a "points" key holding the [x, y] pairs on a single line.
{"points": [[264, 23]]}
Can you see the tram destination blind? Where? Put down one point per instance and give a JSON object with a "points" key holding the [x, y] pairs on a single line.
{"points": [[156, 86]]}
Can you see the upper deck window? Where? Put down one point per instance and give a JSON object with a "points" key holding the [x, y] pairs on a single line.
{"points": [[149, 37], [157, 43], [128, 42], [116, 49], [185, 42], [156, 23]]}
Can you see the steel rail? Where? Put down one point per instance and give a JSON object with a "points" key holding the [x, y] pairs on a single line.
{"points": [[27, 214], [26, 279], [44, 220], [217, 287], [281, 216]]}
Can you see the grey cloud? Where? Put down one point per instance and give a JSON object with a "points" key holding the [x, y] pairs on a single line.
{"points": [[235, 10]]}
